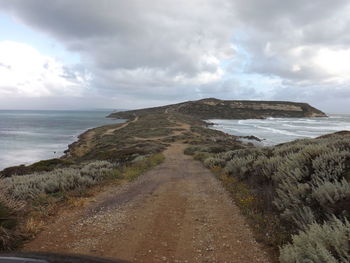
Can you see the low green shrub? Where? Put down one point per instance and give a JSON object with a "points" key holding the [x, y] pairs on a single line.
{"points": [[327, 243], [193, 149], [304, 183], [29, 186], [211, 162], [327, 192]]}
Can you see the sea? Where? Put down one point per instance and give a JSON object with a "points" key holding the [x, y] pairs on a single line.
{"points": [[274, 131], [30, 136]]}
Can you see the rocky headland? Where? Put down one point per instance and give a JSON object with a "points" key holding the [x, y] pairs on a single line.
{"points": [[212, 108]]}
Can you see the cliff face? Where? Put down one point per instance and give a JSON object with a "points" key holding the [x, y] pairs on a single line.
{"points": [[232, 109]]}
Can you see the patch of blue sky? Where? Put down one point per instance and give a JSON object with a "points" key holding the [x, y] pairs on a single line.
{"points": [[237, 69], [13, 30], [240, 61]]}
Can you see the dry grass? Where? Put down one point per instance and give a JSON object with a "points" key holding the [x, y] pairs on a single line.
{"points": [[8, 202], [8, 221], [33, 225], [133, 170], [78, 201], [6, 238]]}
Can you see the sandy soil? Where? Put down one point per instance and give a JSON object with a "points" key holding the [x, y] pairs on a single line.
{"points": [[177, 212]]}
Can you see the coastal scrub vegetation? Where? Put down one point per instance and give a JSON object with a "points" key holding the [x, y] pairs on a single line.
{"points": [[297, 194], [26, 200], [26, 187]]}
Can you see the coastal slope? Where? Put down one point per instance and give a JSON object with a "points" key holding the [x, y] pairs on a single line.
{"points": [[212, 108]]}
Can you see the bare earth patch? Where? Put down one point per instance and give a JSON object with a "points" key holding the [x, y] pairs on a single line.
{"points": [[177, 212]]}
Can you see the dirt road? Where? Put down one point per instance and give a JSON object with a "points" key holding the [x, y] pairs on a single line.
{"points": [[177, 212], [111, 131]]}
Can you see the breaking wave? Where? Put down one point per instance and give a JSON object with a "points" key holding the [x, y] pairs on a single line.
{"points": [[280, 130]]}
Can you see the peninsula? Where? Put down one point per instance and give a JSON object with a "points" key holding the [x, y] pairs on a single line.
{"points": [[212, 108], [170, 207]]}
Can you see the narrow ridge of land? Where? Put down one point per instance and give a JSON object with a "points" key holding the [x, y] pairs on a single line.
{"points": [[177, 212]]}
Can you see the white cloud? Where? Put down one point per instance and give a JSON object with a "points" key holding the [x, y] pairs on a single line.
{"points": [[336, 62], [164, 50], [139, 47], [25, 72]]}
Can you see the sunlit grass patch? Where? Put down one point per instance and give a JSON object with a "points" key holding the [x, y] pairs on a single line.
{"points": [[133, 170]]}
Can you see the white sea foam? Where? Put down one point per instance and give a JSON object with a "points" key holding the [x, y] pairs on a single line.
{"points": [[279, 130], [284, 132]]}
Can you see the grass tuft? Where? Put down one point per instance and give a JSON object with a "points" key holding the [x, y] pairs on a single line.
{"points": [[133, 170]]}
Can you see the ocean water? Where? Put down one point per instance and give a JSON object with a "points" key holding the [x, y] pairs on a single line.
{"points": [[279, 130], [29, 136]]}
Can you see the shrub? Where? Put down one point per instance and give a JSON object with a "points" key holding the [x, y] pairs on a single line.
{"points": [[203, 149], [7, 220], [269, 166], [214, 161], [327, 243], [326, 192], [96, 170], [308, 182], [29, 186], [192, 149], [330, 165], [6, 201], [239, 167], [304, 177]]}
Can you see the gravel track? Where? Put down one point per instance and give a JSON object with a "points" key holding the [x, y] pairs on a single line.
{"points": [[177, 212]]}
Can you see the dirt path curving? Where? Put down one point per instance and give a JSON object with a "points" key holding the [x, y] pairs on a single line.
{"points": [[177, 212], [111, 131]]}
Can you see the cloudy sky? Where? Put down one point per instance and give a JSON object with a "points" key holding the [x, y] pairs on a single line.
{"points": [[85, 54]]}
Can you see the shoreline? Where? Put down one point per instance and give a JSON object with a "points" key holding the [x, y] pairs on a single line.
{"points": [[124, 145], [210, 108], [80, 136], [274, 131], [61, 154]]}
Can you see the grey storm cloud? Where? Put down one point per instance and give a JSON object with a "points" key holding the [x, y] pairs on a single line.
{"points": [[135, 34], [273, 28], [173, 50]]}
